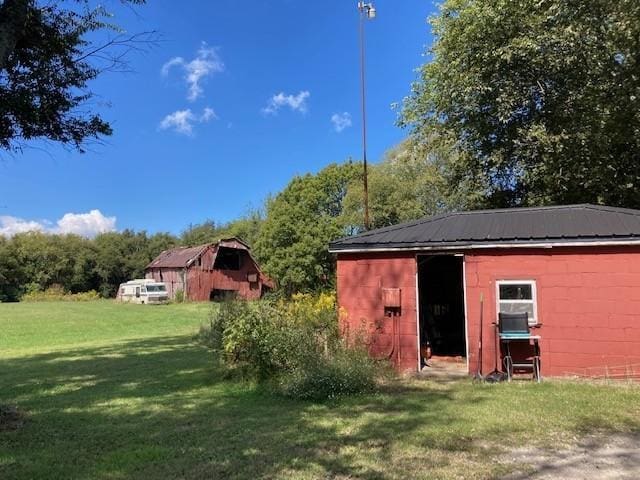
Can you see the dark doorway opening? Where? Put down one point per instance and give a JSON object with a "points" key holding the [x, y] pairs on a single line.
{"points": [[441, 297], [219, 295], [227, 259]]}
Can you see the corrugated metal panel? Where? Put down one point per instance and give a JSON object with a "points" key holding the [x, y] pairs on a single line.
{"points": [[177, 257], [540, 224]]}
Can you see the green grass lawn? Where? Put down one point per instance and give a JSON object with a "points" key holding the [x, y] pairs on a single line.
{"points": [[122, 391]]}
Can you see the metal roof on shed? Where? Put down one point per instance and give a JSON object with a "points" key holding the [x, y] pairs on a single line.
{"points": [[502, 228]]}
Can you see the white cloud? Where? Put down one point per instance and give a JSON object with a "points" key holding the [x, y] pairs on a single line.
{"points": [[341, 121], [175, 61], [181, 121], [206, 62], [297, 103], [9, 226], [208, 114], [85, 224]]}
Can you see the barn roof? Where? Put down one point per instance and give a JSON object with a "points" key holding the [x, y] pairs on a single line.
{"points": [[570, 224], [178, 257], [181, 257]]}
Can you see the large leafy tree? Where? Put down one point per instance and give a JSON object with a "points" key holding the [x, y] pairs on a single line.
{"points": [[541, 97], [36, 261], [12, 275], [412, 181], [246, 227], [122, 256], [300, 222], [65, 260], [46, 61], [199, 234]]}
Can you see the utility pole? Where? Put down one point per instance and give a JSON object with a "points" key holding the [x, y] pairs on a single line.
{"points": [[367, 12]]}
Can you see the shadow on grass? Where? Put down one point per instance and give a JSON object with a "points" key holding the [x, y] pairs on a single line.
{"points": [[157, 408]]}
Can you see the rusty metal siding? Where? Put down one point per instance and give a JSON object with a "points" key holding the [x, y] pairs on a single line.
{"points": [[202, 279], [197, 277]]}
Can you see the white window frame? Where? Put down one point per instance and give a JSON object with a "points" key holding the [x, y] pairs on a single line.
{"points": [[534, 297]]}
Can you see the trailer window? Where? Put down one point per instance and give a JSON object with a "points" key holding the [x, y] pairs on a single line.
{"points": [[518, 296], [156, 288]]}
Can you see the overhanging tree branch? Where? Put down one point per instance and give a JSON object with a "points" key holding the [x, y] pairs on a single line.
{"points": [[13, 19], [46, 64]]}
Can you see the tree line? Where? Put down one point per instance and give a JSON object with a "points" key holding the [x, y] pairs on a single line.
{"points": [[289, 235], [525, 103]]}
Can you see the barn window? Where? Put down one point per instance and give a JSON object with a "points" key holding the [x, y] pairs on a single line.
{"points": [[518, 296], [227, 259]]}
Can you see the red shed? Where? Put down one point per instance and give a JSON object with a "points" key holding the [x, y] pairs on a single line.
{"points": [[574, 269], [210, 272]]}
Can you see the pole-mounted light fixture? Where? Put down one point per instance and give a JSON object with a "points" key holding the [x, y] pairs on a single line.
{"points": [[367, 12], [367, 8]]}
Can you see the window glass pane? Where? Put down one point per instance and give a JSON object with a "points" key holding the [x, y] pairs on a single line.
{"points": [[517, 308], [516, 292], [156, 288]]}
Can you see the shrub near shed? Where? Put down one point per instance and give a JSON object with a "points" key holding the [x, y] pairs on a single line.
{"points": [[293, 345]]}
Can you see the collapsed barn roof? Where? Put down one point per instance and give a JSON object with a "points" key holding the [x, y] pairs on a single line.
{"points": [[570, 224], [181, 257]]}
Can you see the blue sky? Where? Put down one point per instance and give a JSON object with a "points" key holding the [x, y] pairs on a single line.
{"points": [[244, 102]]}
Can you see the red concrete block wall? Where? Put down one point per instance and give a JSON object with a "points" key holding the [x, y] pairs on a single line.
{"points": [[588, 305], [360, 282]]}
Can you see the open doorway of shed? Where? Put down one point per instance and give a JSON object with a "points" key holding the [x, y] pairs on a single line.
{"points": [[441, 307]]}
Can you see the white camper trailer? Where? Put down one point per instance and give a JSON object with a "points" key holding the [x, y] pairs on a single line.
{"points": [[142, 291]]}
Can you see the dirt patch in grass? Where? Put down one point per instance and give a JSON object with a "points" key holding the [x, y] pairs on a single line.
{"points": [[11, 418], [602, 456]]}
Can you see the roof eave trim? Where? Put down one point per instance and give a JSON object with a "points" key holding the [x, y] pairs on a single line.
{"points": [[481, 246]]}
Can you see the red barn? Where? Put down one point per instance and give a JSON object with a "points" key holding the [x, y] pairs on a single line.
{"points": [[574, 269], [210, 272]]}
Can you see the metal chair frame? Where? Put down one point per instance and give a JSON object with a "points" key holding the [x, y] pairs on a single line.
{"points": [[514, 327]]}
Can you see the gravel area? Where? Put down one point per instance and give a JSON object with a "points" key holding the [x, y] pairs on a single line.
{"points": [[615, 456]]}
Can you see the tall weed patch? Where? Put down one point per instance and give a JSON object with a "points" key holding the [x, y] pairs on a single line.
{"points": [[294, 345], [55, 293]]}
